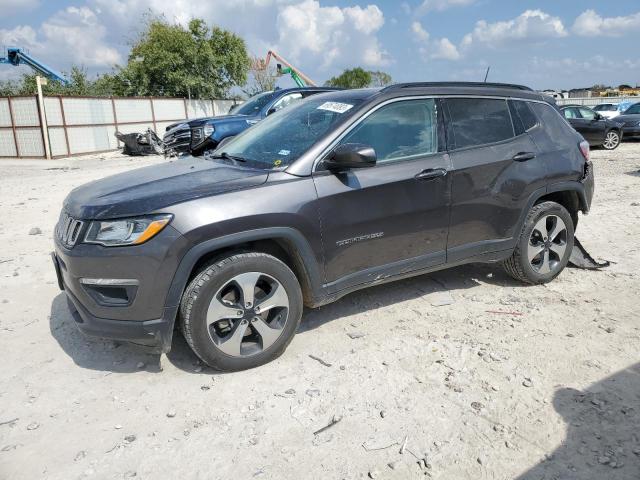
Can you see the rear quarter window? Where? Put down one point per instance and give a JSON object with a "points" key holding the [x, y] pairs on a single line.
{"points": [[551, 120], [526, 116], [478, 121]]}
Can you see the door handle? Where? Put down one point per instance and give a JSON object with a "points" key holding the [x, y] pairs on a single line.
{"points": [[431, 173], [524, 156]]}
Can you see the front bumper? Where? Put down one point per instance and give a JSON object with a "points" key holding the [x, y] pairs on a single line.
{"points": [[155, 334], [138, 314]]}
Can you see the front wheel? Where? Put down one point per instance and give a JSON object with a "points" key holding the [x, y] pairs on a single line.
{"points": [[241, 311], [544, 246], [611, 140]]}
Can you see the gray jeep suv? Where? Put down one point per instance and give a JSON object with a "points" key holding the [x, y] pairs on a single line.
{"points": [[344, 190]]}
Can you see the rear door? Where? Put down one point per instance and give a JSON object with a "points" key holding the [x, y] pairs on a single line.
{"points": [[391, 218], [494, 171]]}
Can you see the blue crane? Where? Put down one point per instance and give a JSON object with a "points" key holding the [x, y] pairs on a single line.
{"points": [[17, 56]]}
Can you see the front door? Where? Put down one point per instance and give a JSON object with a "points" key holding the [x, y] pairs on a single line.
{"points": [[391, 218]]}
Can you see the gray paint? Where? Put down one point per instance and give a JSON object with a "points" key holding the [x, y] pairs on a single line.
{"points": [[346, 230]]}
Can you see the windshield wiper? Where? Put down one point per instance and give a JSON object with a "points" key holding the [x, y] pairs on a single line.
{"points": [[226, 156]]}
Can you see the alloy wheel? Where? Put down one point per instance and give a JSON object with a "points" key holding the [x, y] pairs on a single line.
{"points": [[547, 244], [611, 141], [247, 314]]}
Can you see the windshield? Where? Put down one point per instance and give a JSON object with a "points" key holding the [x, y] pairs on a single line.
{"points": [[283, 137], [253, 105], [605, 107]]}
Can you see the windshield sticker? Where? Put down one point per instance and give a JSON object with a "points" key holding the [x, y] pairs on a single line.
{"points": [[336, 107], [277, 163], [284, 152]]}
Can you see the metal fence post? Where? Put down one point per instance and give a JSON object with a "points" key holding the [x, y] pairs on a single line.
{"points": [[13, 127], [43, 117], [64, 124], [153, 115]]}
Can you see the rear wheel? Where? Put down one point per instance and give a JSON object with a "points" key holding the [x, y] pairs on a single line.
{"points": [[241, 311], [544, 246], [611, 140]]}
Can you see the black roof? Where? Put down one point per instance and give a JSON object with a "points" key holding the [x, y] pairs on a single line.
{"points": [[474, 85], [466, 88]]}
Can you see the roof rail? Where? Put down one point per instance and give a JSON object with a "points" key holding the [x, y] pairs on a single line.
{"points": [[398, 86]]}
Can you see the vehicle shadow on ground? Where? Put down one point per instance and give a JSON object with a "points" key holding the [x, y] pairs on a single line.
{"points": [[603, 431], [122, 357], [94, 353]]}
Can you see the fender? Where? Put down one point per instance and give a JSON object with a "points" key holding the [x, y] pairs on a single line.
{"points": [[574, 186], [309, 263]]}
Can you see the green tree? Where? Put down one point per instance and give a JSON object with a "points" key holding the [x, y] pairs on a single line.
{"points": [[169, 60], [79, 83], [359, 78]]}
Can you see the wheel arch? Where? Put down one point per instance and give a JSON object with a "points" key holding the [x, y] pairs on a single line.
{"points": [[284, 243]]}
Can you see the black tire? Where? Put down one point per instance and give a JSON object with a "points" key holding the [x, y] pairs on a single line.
{"points": [[519, 266], [613, 142], [201, 290]]}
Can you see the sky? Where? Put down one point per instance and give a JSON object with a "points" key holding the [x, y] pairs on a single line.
{"points": [[556, 44]]}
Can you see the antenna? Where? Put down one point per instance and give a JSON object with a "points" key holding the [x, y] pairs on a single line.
{"points": [[487, 74]]}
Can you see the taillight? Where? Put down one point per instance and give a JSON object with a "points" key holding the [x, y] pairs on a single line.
{"points": [[584, 148]]}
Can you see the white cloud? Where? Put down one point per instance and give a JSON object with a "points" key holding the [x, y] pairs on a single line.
{"points": [[303, 31], [71, 36], [439, 5], [334, 36], [589, 23], [532, 25], [366, 20], [444, 49], [419, 33], [439, 49], [78, 32]]}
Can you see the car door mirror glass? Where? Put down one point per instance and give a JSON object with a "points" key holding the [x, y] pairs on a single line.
{"points": [[351, 155]]}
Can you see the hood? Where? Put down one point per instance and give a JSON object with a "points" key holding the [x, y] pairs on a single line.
{"points": [[148, 189], [219, 120]]}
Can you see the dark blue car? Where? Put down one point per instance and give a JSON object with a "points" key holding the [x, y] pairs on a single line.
{"points": [[197, 136]]}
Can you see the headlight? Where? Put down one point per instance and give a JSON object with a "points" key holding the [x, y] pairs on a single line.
{"points": [[126, 231], [208, 129]]}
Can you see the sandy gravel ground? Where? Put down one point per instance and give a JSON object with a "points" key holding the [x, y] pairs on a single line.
{"points": [[459, 374]]}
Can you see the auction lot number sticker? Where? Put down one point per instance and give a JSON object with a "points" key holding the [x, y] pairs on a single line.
{"points": [[335, 107]]}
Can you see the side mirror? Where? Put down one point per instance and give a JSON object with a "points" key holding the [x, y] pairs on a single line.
{"points": [[351, 155]]}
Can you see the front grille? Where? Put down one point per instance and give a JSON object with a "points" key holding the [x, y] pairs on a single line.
{"points": [[68, 229]]}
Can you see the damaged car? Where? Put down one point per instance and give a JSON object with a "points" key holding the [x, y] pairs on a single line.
{"points": [[343, 191], [202, 135]]}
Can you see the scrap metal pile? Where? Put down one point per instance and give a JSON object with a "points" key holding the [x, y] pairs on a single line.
{"points": [[136, 144]]}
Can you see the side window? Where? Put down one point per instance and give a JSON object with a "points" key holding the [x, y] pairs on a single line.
{"points": [[399, 131], [570, 113], [551, 119], [478, 121], [633, 110], [527, 117], [587, 113], [287, 100]]}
